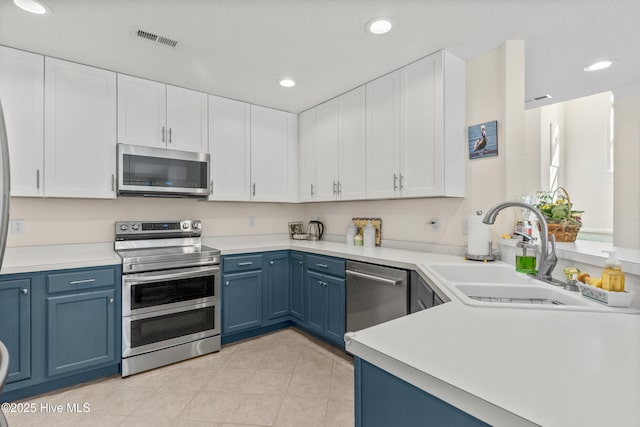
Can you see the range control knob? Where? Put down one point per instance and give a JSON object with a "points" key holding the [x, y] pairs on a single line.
{"points": [[124, 227], [135, 227], [185, 225], [196, 225]]}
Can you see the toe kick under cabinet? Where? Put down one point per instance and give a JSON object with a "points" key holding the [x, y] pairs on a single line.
{"points": [[61, 327]]}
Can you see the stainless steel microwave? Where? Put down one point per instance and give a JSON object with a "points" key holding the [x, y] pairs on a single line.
{"points": [[148, 171]]}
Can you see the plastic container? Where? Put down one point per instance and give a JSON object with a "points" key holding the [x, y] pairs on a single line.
{"points": [[351, 233], [369, 235], [357, 240], [612, 275], [526, 257]]}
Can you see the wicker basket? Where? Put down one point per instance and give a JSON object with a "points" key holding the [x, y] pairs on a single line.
{"points": [[564, 231]]}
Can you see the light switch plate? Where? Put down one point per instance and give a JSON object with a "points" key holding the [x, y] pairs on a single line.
{"points": [[17, 226]]}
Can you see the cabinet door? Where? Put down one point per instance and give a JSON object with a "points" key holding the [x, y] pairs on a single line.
{"points": [[241, 301], [80, 130], [142, 111], [383, 115], [22, 97], [335, 309], [80, 331], [352, 155], [296, 279], [306, 160], [326, 150], [421, 138], [273, 155], [186, 119], [277, 300], [15, 329], [315, 301], [229, 146]]}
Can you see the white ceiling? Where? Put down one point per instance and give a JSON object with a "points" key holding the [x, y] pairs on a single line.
{"points": [[240, 48]]}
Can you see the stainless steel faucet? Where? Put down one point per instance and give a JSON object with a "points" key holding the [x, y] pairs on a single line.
{"points": [[548, 260]]}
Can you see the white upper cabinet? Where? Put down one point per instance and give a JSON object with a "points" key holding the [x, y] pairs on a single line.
{"points": [[383, 136], [340, 150], [306, 153], [327, 150], [352, 157], [229, 147], [158, 115], [415, 130], [273, 155], [22, 97], [80, 130]]}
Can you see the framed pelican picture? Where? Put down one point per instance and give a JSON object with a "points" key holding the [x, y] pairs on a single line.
{"points": [[483, 140]]}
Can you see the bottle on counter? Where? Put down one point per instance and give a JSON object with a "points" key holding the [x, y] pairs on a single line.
{"points": [[612, 275], [369, 235], [357, 240], [352, 230]]}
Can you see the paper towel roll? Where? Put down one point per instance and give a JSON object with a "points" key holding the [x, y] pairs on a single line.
{"points": [[478, 236]]}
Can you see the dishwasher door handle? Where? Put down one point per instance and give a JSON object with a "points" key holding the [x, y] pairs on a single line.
{"points": [[372, 277]]}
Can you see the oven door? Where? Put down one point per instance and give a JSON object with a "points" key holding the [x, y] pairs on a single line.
{"points": [[167, 289], [161, 329]]}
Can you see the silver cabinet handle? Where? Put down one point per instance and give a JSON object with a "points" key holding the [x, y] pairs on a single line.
{"points": [[334, 187], [271, 262], [113, 182], [163, 133], [395, 182], [226, 283], [211, 187], [401, 179], [339, 187], [299, 262], [313, 190], [24, 291], [245, 263], [170, 135], [110, 300], [372, 277], [81, 282], [322, 265], [37, 179], [253, 189]]}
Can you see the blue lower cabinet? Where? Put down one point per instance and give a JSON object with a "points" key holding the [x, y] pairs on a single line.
{"points": [[277, 286], [382, 400], [80, 331], [325, 308], [241, 301], [296, 280], [15, 326]]}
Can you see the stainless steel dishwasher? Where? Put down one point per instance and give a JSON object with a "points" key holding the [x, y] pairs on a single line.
{"points": [[375, 294]]}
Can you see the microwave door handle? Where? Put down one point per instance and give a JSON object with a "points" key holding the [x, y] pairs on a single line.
{"points": [[171, 276]]}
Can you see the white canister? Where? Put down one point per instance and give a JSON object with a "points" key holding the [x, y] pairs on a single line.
{"points": [[369, 235], [351, 233]]}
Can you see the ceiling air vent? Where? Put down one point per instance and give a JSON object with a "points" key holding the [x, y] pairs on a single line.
{"points": [[155, 38]]}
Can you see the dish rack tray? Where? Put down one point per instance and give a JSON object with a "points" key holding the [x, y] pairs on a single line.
{"points": [[612, 299]]}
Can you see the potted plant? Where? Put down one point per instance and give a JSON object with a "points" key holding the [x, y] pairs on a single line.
{"points": [[563, 221]]}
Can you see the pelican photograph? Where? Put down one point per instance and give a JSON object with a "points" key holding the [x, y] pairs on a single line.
{"points": [[483, 140]]}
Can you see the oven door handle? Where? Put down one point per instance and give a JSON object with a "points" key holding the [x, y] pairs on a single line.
{"points": [[192, 272]]}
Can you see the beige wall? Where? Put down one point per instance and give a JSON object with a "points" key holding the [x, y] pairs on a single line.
{"points": [[626, 196], [490, 95]]}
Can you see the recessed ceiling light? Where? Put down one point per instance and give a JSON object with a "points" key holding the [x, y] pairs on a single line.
{"points": [[286, 83], [379, 26], [33, 6], [601, 65]]}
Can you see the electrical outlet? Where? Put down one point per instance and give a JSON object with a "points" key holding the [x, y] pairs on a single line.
{"points": [[17, 226], [252, 221]]}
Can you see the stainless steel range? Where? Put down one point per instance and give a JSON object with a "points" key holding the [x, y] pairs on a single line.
{"points": [[170, 293]]}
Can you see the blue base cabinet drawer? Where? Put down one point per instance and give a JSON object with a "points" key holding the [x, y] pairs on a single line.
{"points": [[326, 265], [237, 263], [80, 281]]}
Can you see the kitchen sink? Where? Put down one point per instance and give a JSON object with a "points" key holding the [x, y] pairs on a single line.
{"points": [[537, 295], [481, 273]]}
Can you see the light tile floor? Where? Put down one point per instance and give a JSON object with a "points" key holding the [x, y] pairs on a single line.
{"points": [[281, 379]]}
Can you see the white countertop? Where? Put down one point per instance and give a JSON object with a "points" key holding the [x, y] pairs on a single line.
{"points": [[506, 366]]}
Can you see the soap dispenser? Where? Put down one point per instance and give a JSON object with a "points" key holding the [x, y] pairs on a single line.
{"points": [[526, 254], [612, 275]]}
